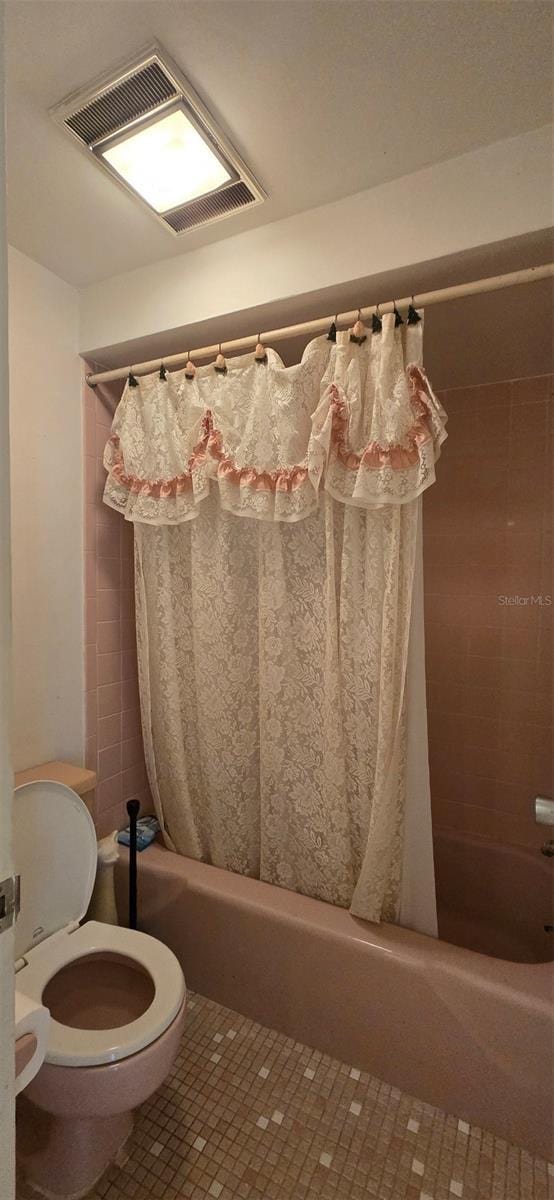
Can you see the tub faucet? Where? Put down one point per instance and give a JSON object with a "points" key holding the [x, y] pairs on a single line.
{"points": [[544, 810]]}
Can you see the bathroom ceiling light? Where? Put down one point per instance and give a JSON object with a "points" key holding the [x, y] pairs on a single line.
{"points": [[166, 160], [144, 124]]}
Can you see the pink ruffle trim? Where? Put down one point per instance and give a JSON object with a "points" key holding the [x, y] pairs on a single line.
{"points": [[209, 448], [286, 480], [159, 489], [374, 455]]}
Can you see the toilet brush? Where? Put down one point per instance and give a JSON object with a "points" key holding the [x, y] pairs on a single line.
{"points": [[133, 809]]}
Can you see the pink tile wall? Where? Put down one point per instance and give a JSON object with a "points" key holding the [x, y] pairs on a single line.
{"points": [[488, 534], [113, 729]]}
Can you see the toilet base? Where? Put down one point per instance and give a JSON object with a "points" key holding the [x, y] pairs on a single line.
{"points": [[61, 1157], [73, 1121]]}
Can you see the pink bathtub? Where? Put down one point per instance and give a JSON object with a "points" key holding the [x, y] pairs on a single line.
{"points": [[467, 1032], [493, 898]]}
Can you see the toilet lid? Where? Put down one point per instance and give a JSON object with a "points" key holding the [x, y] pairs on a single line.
{"points": [[55, 855]]}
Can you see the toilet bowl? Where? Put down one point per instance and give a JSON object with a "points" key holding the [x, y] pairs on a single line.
{"points": [[116, 999]]}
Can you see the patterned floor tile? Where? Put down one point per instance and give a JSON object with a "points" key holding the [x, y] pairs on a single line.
{"points": [[265, 1118]]}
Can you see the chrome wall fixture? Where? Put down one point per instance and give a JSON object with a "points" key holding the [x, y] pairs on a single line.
{"points": [[544, 810]]}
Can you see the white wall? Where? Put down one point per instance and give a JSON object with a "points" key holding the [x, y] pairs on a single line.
{"points": [[47, 521], [500, 191]]}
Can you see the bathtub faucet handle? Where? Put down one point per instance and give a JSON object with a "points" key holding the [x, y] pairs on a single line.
{"points": [[547, 848], [544, 810]]}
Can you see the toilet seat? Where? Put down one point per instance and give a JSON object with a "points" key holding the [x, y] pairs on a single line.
{"points": [[55, 854], [71, 1047]]}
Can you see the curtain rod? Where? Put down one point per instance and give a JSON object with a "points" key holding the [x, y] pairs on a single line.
{"points": [[493, 284]]}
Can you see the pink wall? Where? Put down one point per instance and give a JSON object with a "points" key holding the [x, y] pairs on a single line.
{"points": [[488, 534], [113, 732]]}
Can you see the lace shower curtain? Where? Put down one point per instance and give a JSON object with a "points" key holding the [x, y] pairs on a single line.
{"points": [[276, 514]]}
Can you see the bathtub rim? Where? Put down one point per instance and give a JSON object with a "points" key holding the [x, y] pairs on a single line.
{"points": [[530, 983]]}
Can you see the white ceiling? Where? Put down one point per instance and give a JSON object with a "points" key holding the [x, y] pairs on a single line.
{"points": [[322, 98]]}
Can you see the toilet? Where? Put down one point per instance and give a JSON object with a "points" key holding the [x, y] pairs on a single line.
{"points": [[116, 999]]}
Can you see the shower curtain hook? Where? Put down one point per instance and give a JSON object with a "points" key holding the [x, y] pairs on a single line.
{"points": [[376, 322], [190, 369], [131, 379], [163, 372], [220, 364], [358, 333], [397, 318], [332, 335], [413, 316], [260, 354]]}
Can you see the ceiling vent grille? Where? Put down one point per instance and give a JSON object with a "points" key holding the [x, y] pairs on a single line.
{"points": [[134, 94], [209, 208], [132, 98]]}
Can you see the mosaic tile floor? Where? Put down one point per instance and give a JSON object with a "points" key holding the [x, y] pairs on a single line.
{"points": [[249, 1114]]}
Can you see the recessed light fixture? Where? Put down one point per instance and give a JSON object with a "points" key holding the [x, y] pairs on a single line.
{"points": [[145, 125], [167, 161]]}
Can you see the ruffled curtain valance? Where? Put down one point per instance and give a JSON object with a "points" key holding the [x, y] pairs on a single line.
{"points": [[360, 422]]}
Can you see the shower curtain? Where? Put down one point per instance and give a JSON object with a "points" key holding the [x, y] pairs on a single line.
{"points": [[276, 526]]}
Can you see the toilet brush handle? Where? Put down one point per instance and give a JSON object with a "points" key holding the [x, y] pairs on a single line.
{"points": [[133, 809]]}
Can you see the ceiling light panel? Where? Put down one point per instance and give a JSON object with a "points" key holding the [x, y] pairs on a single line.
{"points": [[168, 162], [145, 125]]}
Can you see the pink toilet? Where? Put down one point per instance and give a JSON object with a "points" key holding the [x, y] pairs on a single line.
{"points": [[116, 999]]}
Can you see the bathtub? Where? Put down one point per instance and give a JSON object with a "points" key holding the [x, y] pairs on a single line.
{"points": [[469, 1033], [494, 898]]}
